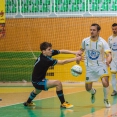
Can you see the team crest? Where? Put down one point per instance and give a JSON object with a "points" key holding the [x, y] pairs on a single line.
{"points": [[93, 54], [87, 78], [114, 46]]}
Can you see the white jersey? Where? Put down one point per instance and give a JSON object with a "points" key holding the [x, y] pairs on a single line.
{"points": [[95, 51], [112, 41]]}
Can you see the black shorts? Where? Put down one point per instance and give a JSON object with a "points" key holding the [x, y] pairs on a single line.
{"points": [[41, 85]]}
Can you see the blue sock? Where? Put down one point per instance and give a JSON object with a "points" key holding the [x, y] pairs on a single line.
{"points": [[61, 96], [31, 97]]}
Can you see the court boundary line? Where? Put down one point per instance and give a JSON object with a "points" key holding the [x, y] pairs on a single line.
{"points": [[110, 114], [44, 98]]}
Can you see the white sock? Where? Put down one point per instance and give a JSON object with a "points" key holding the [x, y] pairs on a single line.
{"points": [[92, 91], [106, 91], [113, 81]]}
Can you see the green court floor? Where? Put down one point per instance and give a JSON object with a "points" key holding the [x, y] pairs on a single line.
{"points": [[50, 107]]}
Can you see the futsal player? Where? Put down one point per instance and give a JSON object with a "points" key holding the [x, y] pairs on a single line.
{"points": [[39, 81], [96, 48], [112, 41]]}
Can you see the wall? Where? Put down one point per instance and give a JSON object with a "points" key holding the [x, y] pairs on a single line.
{"points": [[27, 34], [63, 33]]}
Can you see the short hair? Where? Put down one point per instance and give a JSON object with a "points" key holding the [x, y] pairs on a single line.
{"points": [[98, 26], [45, 45], [114, 24]]}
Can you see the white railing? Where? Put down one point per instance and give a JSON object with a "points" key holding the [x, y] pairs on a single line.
{"points": [[84, 9]]}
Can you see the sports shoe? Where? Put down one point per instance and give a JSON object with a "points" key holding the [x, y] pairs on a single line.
{"points": [[107, 104], [93, 97], [0, 99], [66, 105], [114, 93], [29, 104]]}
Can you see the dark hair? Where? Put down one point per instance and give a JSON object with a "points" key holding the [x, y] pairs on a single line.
{"points": [[98, 27], [45, 45], [115, 24]]}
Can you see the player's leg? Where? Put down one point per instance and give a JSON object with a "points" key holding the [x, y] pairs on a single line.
{"points": [[39, 86], [32, 95], [113, 67], [89, 88], [105, 82], [59, 88], [91, 76], [103, 74], [113, 81], [59, 92]]}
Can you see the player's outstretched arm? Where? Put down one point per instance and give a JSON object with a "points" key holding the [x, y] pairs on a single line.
{"points": [[79, 53], [79, 58], [67, 52]]}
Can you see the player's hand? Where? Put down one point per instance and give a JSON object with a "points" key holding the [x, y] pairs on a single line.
{"points": [[79, 53], [107, 63], [80, 58]]}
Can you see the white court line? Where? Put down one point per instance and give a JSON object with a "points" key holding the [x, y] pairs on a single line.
{"points": [[45, 98], [105, 112]]}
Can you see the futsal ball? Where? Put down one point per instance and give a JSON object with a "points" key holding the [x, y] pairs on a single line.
{"points": [[76, 70]]}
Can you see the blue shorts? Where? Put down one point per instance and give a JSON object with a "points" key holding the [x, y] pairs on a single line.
{"points": [[41, 85]]}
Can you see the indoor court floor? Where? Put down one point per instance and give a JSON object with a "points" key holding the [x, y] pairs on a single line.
{"points": [[48, 105]]}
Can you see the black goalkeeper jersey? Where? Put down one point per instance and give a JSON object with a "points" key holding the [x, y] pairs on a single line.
{"points": [[42, 64]]}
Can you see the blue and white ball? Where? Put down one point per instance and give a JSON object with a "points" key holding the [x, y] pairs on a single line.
{"points": [[76, 70]]}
